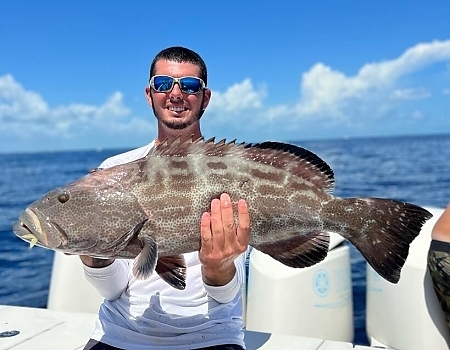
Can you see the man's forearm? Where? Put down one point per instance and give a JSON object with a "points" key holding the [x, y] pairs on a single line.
{"points": [[218, 277], [109, 280], [95, 262], [225, 292]]}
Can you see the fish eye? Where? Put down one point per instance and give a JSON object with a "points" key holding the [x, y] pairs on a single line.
{"points": [[63, 197]]}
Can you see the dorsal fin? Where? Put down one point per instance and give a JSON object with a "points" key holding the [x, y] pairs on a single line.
{"points": [[297, 160], [293, 159], [300, 152]]}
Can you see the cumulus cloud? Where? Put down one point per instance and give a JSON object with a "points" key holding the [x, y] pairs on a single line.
{"points": [[20, 107], [325, 91], [238, 97], [329, 95], [326, 96], [409, 94], [16, 103]]}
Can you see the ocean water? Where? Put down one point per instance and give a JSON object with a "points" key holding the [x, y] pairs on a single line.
{"points": [[414, 169]]}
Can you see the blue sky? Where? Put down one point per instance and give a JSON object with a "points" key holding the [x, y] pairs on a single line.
{"points": [[72, 73]]}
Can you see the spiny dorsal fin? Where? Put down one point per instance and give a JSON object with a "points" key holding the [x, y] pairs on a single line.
{"points": [[297, 160]]}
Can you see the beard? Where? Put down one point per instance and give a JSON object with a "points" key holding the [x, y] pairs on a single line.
{"points": [[179, 124], [175, 125]]}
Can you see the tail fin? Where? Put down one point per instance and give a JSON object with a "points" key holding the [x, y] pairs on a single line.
{"points": [[388, 228]]}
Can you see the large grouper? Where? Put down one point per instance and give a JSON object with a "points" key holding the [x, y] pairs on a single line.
{"points": [[151, 209]]}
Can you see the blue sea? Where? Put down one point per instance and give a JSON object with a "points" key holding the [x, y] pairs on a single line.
{"points": [[414, 169]]}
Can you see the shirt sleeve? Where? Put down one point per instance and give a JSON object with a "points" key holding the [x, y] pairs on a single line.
{"points": [[110, 281], [226, 293]]}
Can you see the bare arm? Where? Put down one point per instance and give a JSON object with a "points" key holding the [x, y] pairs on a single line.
{"points": [[441, 230]]}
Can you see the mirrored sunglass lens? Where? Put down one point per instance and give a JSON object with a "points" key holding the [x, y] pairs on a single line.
{"points": [[190, 85], [162, 83]]}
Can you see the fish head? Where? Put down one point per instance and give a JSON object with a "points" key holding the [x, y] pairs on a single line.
{"points": [[92, 216]]}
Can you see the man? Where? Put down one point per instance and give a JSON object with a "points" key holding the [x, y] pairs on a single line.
{"points": [[150, 314], [439, 261]]}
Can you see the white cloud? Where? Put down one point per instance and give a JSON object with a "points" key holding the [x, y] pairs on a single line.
{"points": [[325, 91], [238, 97], [334, 97], [17, 103], [327, 97], [409, 94], [25, 113]]}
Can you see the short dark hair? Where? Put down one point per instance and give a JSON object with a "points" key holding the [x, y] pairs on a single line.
{"points": [[181, 54]]}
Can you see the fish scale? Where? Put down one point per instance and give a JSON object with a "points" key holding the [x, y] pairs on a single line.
{"points": [[151, 209]]}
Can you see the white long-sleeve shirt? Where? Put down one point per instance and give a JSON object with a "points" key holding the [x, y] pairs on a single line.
{"points": [[150, 314]]}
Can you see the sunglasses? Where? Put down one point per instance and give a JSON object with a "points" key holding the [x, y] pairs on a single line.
{"points": [[188, 85]]}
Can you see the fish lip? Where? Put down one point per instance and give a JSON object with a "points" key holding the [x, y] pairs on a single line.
{"points": [[29, 223], [21, 229]]}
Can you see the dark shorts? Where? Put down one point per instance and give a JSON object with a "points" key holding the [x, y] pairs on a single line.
{"points": [[95, 345], [439, 267]]}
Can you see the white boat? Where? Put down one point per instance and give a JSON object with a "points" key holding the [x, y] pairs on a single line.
{"points": [[407, 315], [285, 308]]}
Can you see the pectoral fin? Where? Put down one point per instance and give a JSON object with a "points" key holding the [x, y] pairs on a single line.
{"points": [[172, 269], [145, 263]]}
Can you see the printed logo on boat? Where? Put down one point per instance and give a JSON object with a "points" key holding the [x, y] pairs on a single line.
{"points": [[321, 283]]}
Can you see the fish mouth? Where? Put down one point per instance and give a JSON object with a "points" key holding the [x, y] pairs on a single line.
{"points": [[28, 227]]}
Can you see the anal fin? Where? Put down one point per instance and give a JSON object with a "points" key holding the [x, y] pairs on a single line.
{"points": [[302, 250], [172, 269]]}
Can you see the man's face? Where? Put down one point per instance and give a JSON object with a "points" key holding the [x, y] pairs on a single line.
{"points": [[175, 109]]}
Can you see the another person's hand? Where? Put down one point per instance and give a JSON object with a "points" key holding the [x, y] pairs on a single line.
{"points": [[221, 241], [441, 230]]}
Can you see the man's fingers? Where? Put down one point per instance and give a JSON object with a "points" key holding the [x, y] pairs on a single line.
{"points": [[228, 221], [243, 214], [243, 230], [216, 223], [219, 232], [206, 234]]}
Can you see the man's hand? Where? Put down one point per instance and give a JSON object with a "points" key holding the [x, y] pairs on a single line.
{"points": [[221, 241]]}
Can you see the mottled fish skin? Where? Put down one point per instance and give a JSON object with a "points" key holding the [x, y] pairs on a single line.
{"points": [[154, 205]]}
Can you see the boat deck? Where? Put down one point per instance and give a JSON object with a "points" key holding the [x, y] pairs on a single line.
{"points": [[41, 329]]}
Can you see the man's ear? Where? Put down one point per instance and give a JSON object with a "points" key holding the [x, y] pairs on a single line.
{"points": [[147, 95], [206, 98]]}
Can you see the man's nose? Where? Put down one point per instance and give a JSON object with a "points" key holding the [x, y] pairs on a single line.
{"points": [[176, 91]]}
